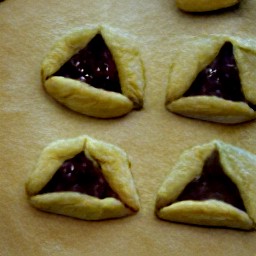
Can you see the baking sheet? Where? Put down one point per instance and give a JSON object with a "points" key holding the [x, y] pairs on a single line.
{"points": [[153, 137]]}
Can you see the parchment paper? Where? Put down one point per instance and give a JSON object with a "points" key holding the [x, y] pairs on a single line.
{"points": [[153, 137]]}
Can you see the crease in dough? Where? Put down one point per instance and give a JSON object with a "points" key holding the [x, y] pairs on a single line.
{"points": [[114, 165], [196, 55], [238, 165], [83, 97]]}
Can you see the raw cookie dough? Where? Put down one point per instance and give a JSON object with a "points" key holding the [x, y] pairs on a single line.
{"points": [[56, 186], [213, 185], [79, 94], [204, 5], [213, 79]]}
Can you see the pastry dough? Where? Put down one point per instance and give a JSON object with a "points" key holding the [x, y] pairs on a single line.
{"points": [[204, 5], [237, 164], [196, 55], [84, 98], [114, 165]]}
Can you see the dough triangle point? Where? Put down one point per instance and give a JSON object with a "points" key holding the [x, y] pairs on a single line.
{"points": [[208, 186], [97, 71], [209, 80], [83, 178]]}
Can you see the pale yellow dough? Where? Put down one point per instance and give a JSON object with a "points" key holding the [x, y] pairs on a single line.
{"points": [[239, 165], [204, 5], [86, 99], [115, 167], [195, 55]]}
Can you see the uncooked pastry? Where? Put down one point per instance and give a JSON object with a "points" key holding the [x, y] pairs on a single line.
{"points": [[230, 198], [87, 99], [204, 5], [200, 55], [113, 164]]}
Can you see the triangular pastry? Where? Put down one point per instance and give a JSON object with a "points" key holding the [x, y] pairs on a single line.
{"points": [[213, 79], [214, 185], [204, 5], [83, 178], [95, 71]]}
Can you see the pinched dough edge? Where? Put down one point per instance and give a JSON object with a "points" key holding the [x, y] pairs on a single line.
{"points": [[195, 55], [115, 167], [85, 99], [238, 164]]}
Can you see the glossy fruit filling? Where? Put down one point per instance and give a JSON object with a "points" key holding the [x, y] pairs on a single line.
{"points": [[213, 184], [93, 65], [220, 78], [79, 174]]}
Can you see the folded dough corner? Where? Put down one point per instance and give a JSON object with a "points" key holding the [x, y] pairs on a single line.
{"points": [[83, 178], [212, 185], [96, 71], [213, 79]]}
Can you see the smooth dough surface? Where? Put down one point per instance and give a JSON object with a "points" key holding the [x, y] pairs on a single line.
{"points": [[204, 5], [237, 164], [84, 98], [194, 57], [114, 165], [153, 138]]}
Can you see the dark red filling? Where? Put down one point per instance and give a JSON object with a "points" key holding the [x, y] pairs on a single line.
{"points": [[78, 174], [213, 184], [93, 65], [220, 78]]}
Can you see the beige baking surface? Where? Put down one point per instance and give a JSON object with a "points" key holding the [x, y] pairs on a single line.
{"points": [[153, 137]]}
